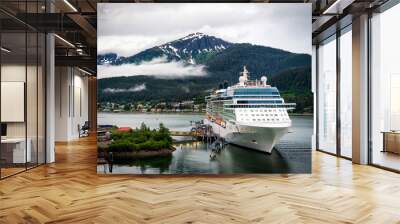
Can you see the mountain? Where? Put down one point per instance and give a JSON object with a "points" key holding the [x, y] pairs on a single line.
{"points": [[192, 49], [259, 60], [289, 72], [109, 58]]}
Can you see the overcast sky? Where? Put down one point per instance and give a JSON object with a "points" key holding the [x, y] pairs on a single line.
{"points": [[126, 28]]}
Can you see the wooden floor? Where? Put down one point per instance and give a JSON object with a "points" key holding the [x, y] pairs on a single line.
{"points": [[70, 191]]}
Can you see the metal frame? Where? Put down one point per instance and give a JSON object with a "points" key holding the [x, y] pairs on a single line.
{"points": [[316, 97], [369, 106], [338, 98]]}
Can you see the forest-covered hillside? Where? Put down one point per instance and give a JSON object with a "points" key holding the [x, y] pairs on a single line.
{"points": [[289, 72]]}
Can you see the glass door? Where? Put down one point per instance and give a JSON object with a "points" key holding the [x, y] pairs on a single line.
{"points": [[385, 89], [326, 104]]}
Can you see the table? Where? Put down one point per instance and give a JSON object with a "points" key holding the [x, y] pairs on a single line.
{"points": [[15, 148], [391, 141]]}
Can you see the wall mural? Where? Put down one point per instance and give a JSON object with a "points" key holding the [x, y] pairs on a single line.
{"points": [[204, 88]]}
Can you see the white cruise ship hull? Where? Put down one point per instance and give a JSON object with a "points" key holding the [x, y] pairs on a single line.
{"points": [[261, 137]]}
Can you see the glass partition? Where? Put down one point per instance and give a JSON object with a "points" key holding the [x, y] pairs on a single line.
{"points": [[327, 95], [14, 153], [385, 89], [31, 98], [22, 77], [346, 93]]}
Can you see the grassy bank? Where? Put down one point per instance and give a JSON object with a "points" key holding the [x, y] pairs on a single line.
{"points": [[138, 143]]}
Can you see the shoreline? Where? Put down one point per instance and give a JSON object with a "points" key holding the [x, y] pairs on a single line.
{"points": [[127, 112], [186, 113], [142, 154]]}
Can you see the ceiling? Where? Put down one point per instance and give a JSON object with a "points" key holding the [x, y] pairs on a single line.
{"points": [[75, 21]]}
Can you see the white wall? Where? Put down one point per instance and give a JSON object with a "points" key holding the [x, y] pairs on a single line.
{"points": [[33, 126], [12, 73], [71, 102]]}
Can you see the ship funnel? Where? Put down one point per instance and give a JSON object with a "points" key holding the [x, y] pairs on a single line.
{"points": [[264, 80], [244, 76], [245, 73]]}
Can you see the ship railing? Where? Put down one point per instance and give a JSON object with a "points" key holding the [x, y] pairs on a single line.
{"points": [[289, 106]]}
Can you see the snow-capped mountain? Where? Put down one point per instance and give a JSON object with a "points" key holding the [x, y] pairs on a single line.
{"points": [[106, 58], [192, 49]]}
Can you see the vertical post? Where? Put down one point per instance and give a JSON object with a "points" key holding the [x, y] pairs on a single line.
{"points": [[369, 89], [92, 103], [50, 99], [314, 91], [50, 92], [338, 76], [316, 109], [360, 89]]}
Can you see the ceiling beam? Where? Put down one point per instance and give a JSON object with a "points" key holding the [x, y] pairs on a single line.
{"points": [[78, 61], [88, 29]]}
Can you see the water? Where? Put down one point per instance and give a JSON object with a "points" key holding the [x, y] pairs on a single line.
{"points": [[291, 155]]}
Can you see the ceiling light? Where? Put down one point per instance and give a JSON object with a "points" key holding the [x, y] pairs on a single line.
{"points": [[84, 71], [64, 40], [327, 11], [5, 50], [70, 5], [338, 6]]}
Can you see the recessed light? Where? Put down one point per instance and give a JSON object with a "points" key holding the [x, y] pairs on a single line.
{"points": [[5, 50], [64, 40], [84, 71], [70, 5]]}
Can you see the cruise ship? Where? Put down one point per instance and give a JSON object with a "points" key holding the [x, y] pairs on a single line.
{"points": [[251, 114]]}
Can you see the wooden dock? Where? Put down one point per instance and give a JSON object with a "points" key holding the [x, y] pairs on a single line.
{"points": [[200, 132], [185, 133]]}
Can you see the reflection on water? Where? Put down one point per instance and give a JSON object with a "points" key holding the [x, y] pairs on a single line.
{"points": [[292, 155]]}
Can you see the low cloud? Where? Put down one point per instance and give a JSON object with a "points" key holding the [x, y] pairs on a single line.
{"points": [[158, 67], [136, 88]]}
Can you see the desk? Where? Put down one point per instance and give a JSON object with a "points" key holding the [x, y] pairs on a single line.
{"points": [[391, 141], [15, 148]]}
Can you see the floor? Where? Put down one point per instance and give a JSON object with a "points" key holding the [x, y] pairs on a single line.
{"points": [[10, 171], [387, 159], [70, 191], [5, 172]]}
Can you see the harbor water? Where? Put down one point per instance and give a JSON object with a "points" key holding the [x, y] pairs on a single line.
{"points": [[291, 155]]}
